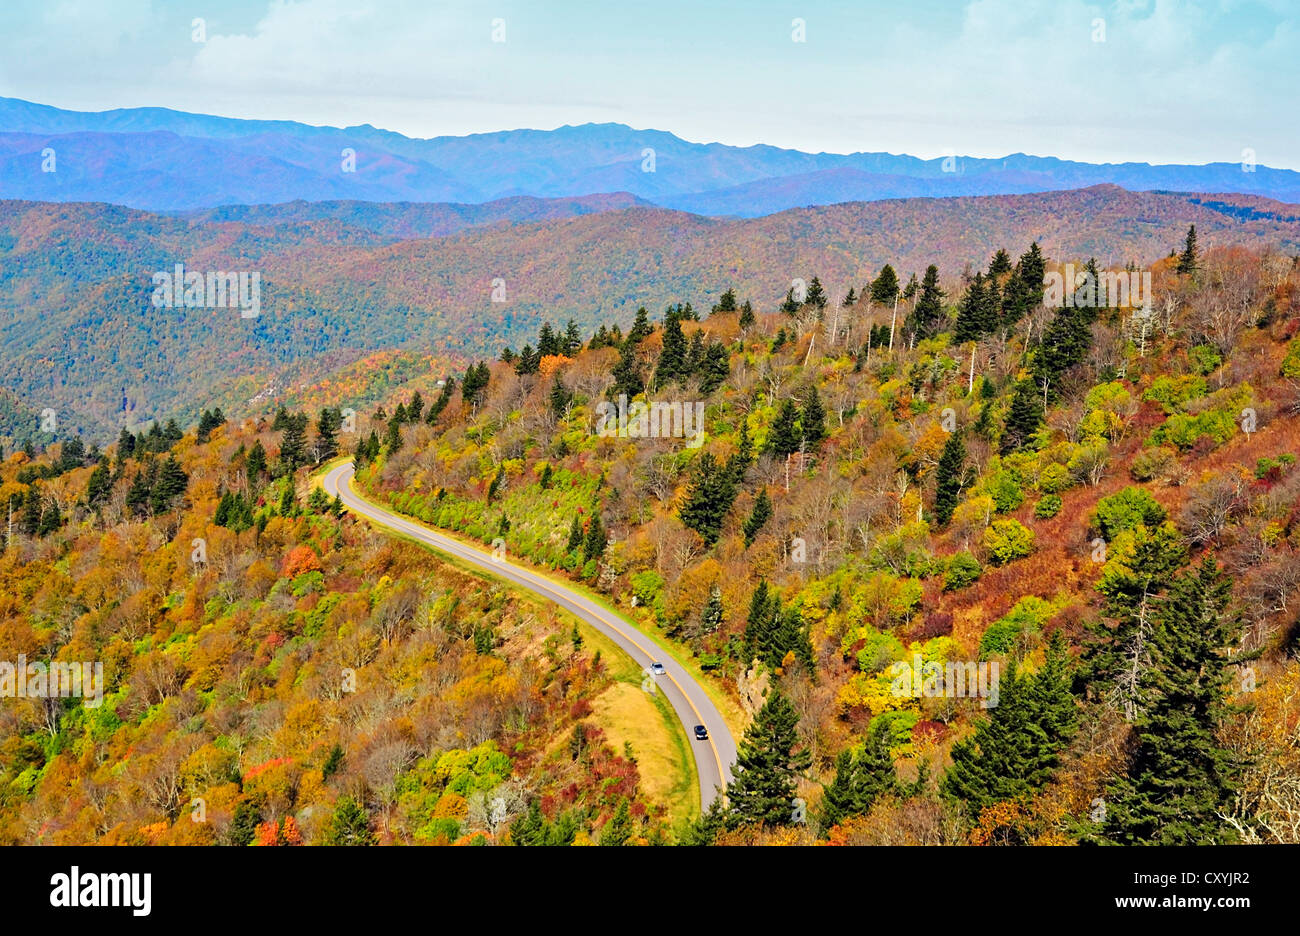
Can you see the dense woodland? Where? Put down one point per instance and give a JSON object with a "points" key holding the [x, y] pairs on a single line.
{"points": [[1100, 499]]}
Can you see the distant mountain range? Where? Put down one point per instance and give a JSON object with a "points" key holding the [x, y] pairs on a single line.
{"points": [[164, 160], [79, 332]]}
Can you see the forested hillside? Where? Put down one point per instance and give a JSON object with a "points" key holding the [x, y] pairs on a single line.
{"points": [[276, 674], [83, 336], [1098, 498]]}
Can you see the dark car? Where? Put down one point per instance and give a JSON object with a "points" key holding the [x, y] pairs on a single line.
{"points": [[701, 733]]}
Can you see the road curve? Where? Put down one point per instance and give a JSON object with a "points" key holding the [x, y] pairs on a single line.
{"points": [[713, 758]]}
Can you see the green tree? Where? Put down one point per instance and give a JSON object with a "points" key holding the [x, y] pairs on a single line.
{"points": [[812, 419], [927, 317], [884, 288], [784, 437], [1188, 259], [1181, 778], [761, 513], [768, 766], [350, 824], [863, 774], [709, 496], [951, 475]]}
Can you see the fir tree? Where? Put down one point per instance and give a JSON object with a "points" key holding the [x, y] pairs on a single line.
{"points": [[951, 475], [594, 544], [783, 438], [884, 288], [1181, 778], [712, 616], [812, 420], [1023, 418], [927, 316], [350, 824], [709, 497], [758, 517], [768, 766], [862, 775], [1188, 259]]}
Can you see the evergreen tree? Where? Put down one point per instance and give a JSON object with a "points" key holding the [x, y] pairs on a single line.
{"points": [[783, 438], [747, 318], [884, 288], [327, 432], [627, 375], [927, 317], [1188, 259], [726, 303], [812, 421], [350, 824], [1001, 263], [709, 497], [575, 534], [293, 443], [1015, 751], [759, 516], [951, 475], [672, 359], [413, 412], [850, 298], [170, 483], [816, 296], [594, 545], [100, 485], [862, 775], [475, 384], [764, 604], [768, 765], [572, 342], [125, 444], [1033, 266], [256, 464], [1117, 651], [393, 438], [1182, 778], [971, 323], [1023, 418], [618, 829]]}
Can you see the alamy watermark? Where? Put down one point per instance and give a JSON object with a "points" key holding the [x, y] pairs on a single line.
{"points": [[1118, 289], [211, 290], [23, 680], [659, 420], [951, 680]]}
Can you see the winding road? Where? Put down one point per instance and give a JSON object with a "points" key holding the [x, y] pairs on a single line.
{"points": [[713, 758]]}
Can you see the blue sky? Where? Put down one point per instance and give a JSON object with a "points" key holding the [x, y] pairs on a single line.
{"points": [[1173, 80]]}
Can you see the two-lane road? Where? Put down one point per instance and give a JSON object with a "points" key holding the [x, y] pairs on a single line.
{"points": [[713, 758]]}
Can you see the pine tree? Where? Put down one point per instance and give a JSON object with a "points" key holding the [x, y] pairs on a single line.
{"points": [[884, 288], [862, 775], [758, 517], [626, 373], [816, 296], [256, 464], [170, 483], [1182, 778], [1117, 651], [1015, 751], [595, 542], [100, 485], [747, 318], [619, 827], [350, 824], [393, 438], [783, 438], [1188, 259], [575, 534], [294, 442], [1023, 418], [951, 475], [1001, 263], [927, 316], [812, 420], [971, 323], [672, 359], [759, 623], [327, 431], [709, 496], [1033, 266], [415, 411], [726, 303], [768, 766]]}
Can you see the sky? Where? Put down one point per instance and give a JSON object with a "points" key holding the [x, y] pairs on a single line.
{"points": [[1159, 81]]}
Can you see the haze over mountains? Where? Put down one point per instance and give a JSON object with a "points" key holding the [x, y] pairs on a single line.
{"points": [[165, 160], [341, 280]]}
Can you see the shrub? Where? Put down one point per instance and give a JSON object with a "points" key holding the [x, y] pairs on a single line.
{"points": [[963, 569], [1008, 540], [1005, 491], [1048, 506], [1125, 510], [1054, 479], [1205, 359], [1291, 363], [1153, 463], [1018, 629]]}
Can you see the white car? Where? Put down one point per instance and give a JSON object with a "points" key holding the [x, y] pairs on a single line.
{"points": [[657, 669]]}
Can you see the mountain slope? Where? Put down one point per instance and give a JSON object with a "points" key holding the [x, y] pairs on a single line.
{"points": [[168, 160]]}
